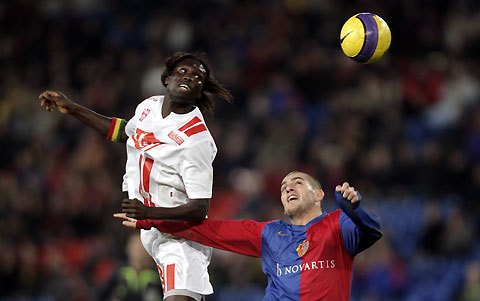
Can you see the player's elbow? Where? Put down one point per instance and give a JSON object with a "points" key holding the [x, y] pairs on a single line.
{"points": [[200, 209], [378, 232]]}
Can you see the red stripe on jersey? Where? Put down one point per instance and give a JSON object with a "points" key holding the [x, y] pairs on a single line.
{"points": [[195, 130], [147, 170], [170, 276], [162, 279], [144, 186], [194, 120], [326, 268]]}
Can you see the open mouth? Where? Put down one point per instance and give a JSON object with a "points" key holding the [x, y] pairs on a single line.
{"points": [[292, 198], [184, 87]]}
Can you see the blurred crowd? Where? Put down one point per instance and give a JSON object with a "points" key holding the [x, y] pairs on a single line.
{"points": [[404, 131]]}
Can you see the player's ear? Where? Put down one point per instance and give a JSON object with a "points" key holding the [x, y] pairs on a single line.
{"points": [[319, 194], [166, 80]]}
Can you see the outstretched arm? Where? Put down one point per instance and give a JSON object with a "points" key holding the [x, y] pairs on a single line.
{"points": [[195, 210], [107, 126], [360, 228], [241, 236]]}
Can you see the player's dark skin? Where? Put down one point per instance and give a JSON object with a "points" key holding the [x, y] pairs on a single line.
{"points": [[183, 88]]}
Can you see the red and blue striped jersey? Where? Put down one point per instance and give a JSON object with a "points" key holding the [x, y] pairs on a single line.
{"points": [[310, 262]]}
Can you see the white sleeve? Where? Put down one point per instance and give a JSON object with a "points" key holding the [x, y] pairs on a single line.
{"points": [[132, 123], [131, 126], [196, 169]]}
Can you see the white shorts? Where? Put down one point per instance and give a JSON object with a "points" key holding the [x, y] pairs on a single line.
{"points": [[182, 264], [176, 292]]}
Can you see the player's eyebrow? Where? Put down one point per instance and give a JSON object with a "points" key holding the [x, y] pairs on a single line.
{"points": [[293, 179], [200, 68]]}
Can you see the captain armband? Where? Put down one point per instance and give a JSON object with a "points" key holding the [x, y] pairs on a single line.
{"points": [[116, 129]]}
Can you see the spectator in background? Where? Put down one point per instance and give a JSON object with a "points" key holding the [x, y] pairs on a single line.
{"points": [[471, 288], [137, 279]]}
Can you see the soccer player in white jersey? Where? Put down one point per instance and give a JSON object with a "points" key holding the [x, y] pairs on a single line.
{"points": [[169, 171]]}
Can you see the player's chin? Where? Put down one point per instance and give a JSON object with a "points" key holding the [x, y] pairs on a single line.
{"points": [[185, 96], [290, 210]]}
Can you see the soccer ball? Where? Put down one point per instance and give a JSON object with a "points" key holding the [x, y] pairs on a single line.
{"points": [[365, 38]]}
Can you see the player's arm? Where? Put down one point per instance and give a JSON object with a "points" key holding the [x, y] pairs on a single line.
{"points": [[195, 210], [360, 228], [111, 127], [240, 236]]}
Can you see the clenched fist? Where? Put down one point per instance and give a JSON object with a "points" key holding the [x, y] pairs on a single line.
{"points": [[54, 100]]}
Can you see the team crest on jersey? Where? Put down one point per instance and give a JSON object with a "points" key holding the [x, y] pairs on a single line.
{"points": [[145, 140], [302, 248], [144, 114]]}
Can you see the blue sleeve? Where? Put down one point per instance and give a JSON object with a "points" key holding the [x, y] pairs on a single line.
{"points": [[360, 228]]}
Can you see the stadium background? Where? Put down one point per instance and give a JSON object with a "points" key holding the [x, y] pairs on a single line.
{"points": [[404, 131]]}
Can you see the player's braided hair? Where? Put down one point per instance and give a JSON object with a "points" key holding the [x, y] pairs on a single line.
{"points": [[211, 87]]}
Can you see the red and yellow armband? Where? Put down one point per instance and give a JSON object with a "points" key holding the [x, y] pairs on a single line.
{"points": [[116, 129]]}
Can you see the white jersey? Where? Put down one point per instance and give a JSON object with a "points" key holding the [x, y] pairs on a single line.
{"points": [[169, 162]]}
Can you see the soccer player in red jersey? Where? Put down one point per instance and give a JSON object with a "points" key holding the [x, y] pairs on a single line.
{"points": [[169, 169], [310, 258]]}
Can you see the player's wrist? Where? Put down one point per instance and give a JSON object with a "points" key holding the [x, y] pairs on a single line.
{"points": [[345, 203], [72, 108]]}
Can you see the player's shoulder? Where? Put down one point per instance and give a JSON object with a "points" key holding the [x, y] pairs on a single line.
{"points": [[155, 98], [193, 129], [151, 100], [332, 216], [335, 213]]}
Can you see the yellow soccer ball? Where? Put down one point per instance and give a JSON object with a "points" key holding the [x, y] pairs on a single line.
{"points": [[365, 38]]}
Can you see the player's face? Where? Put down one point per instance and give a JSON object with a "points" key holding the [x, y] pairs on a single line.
{"points": [[297, 194], [186, 81]]}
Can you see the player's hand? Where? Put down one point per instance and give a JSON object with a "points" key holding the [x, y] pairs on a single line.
{"points": [[128, 221], [348, 193], [134, 209], [54, 100]]}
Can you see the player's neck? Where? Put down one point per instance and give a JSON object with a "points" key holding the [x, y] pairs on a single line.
{"points": [[176, 106], [304, 219]]}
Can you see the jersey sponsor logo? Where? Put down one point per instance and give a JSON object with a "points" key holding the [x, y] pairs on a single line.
{"points": [[281, 234], [179, 140], [307, 266], [145, 140], [194, 126], [302, 248], [144, 114]]}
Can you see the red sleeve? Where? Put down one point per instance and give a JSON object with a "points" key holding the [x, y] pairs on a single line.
{"points": [[240, 236]]}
